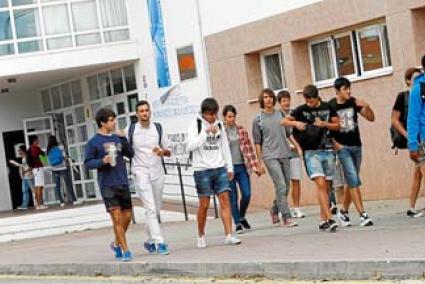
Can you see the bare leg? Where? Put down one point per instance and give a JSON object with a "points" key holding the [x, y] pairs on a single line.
{"points": [[416, 185], [296, 192], [226, 214], [117, 221], [323, 198], [204, 203]]}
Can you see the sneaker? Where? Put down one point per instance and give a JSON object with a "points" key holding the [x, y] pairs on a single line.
{"points": [[239, 229], [245, 224], [365, 220], [298, 213], [411, 213], [117, 250], [275, 217], [323, 226], [77, 202], [288, 222], [343, 218], [127, 256], [292, 212], [334, 209], [150, 247], [201, 242], [22, 208], [62, 205], [230, 240], [163, 249], [42, 207], [332, 225]]}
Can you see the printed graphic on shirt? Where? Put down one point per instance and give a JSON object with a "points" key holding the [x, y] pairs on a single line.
{"points": [[316, 114], [112, 148], [212, 142], [347, 122]]}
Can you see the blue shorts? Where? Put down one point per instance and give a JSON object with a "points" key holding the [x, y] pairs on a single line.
{"points": [[320, 163], [350, 158], [210, 182]]}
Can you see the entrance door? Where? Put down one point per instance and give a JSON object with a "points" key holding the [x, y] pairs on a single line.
{"points": [[12, 140], [42, 127]]}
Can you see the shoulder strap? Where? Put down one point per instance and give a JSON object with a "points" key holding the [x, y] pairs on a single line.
{"points": [[158, 127], [406, 105], [199, 125], [131, 133]]}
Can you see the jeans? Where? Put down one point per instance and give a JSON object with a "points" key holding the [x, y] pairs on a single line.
{"points": [[320, 163], [280, 172], [211, 181], [350, 158], [69, 188], [27, 184], [241, 177]]}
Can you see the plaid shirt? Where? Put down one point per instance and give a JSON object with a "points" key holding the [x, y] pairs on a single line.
{"points": [[246, 148]]}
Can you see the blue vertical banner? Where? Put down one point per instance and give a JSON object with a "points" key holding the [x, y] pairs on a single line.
{"points": [[158, 41]]}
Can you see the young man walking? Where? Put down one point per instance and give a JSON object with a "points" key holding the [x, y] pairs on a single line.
{"points": [[270, 140], [312, 122], [105, 152], [213, 168], [399, 124], [348, 147], [284, 100], [150, 145]]}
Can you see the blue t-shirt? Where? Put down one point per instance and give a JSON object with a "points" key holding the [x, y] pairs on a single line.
{"points": [[100, 146]]}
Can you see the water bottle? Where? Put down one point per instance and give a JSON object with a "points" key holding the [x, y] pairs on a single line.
{"points": [[112, 152]]}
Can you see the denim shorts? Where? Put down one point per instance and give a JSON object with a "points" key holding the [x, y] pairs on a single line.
{"points": [[350, 158], [320, 163], [211, 181]]}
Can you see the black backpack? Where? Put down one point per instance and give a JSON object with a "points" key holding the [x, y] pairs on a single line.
{"points": [[158, 127], [310, 138], [399, 141]]}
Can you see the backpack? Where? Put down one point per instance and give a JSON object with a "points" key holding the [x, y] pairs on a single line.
{"points": [[55, 156], [398, 140], [158, 127], [310, 138]]}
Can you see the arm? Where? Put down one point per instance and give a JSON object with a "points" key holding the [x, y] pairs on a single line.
{"points": [[195, 140], [91, 161], [226, 151], [249, 152], [289, 121], [395, 122], [127, 150], [164, 151], [415, 106], [366, 111]]}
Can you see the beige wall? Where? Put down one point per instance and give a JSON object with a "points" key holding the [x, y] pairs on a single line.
{"points": [[235, 72]]}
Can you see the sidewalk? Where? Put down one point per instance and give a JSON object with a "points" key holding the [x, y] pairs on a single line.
{"points": [[393, 248]]}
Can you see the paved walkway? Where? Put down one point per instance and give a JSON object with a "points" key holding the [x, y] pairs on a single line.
{"points": [[393, 248]]}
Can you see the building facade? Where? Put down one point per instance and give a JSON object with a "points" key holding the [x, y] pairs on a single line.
{"points": [[370, 42]]}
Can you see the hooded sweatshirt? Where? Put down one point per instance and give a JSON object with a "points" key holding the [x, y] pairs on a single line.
{"points": [[416, 115], [210, 151]]}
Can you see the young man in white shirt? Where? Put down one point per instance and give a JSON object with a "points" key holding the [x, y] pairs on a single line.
{"points": [[213, 168], [150, 145]]}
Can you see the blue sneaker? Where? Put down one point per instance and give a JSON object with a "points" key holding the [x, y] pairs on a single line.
{"points": [[150, 247], [117, 250], [163, 249], [127, 256]]}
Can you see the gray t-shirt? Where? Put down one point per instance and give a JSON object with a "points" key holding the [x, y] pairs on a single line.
{"points": [[235, 147], [268, 132]]}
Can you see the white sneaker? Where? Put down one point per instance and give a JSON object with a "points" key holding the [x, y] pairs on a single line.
{"points": [[78, 202], [344, 218], [292, 212], [365, 220], [62, 204], [298, 213], [41, 207], [230, 240], [201, 242]]}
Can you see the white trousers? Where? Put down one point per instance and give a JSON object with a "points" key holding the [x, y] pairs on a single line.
{"points": [[150, 193]]}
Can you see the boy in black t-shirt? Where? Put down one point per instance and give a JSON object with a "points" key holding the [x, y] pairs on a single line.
{"points": [[399, 123], [312, 122], [348, 147]]}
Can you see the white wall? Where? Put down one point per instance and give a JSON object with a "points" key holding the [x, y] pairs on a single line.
{"points": [[13, 109], [219, 15]]}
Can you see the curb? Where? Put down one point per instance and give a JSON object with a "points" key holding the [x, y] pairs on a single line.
{"points": [[302, 270]]}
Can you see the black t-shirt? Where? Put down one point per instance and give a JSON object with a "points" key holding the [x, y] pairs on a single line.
{"points": [[400, 106], [348, 134], [308, 115]]}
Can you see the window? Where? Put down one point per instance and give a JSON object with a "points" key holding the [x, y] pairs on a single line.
{"points": [[84, 16], [272, 70], [113, 13], [354, 54], [3, 3], [130, 78], [7, 49], [27, 23], [56, 19], [6, 29], [186, 62], [30, 46]]}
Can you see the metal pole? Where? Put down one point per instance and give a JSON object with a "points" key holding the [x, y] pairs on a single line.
{"points": [[179, 170], [215, 207]]}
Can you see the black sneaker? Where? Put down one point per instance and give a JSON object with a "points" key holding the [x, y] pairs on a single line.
{"points": [[343, 218], [414, 214], [239, 229], [323, 226], [245, 224], [365, 220], [332, 225], [334, 209]]}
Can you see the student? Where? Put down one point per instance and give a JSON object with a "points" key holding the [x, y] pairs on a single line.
{"points": [[34, 161], [312, 122], [244, 161], [57, 161], [348, 147], [270, 140], [105, 152], [416, 121], [25, 171], [399, 123], [284, 100], [213, 168], [150, 144]]}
